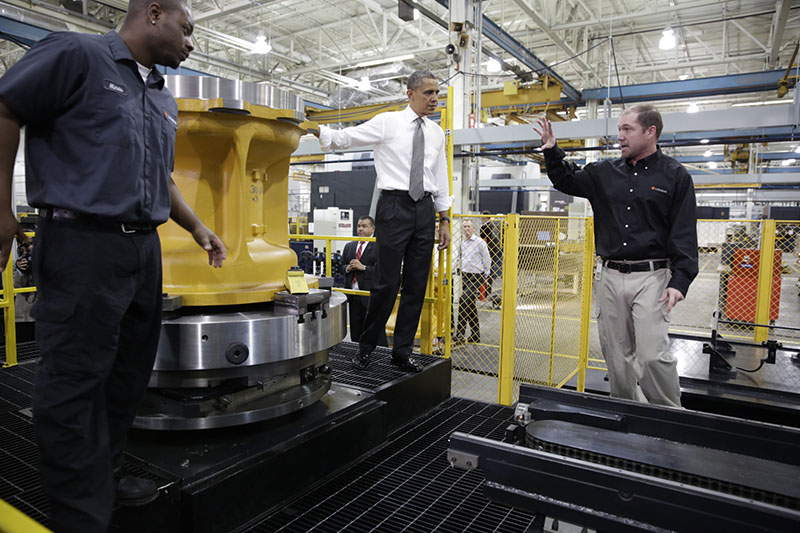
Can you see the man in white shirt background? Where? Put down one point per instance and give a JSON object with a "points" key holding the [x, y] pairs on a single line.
{"points": [[411, 167], [358, 266], [475, 268]]}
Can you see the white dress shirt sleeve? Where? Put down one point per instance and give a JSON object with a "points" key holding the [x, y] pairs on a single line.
{"points": [[485, 258], [441, 199], [369, 133]]}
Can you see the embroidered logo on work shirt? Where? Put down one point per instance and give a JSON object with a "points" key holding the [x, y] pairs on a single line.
{"points": [[170, 119], [114, 87], [659, 189]]}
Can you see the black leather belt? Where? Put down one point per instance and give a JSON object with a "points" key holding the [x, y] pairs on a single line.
{"points": [[58, 214], [395, 192], [642, 266]]}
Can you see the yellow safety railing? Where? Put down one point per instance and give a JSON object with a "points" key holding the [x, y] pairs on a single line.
{"points": [[433, 298], [12, 520], [9, 321], [8, 305]]}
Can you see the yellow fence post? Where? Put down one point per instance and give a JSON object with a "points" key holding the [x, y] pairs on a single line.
{"points": [[586, 303], [554, 306], [328, 254], [765, 272], [426, 320], [9, 320], [508, 313], [448, 281]]}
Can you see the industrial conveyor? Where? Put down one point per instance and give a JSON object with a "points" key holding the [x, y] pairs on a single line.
{"points": [[615, 465]]}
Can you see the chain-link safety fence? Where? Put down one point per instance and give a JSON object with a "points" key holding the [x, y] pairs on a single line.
{"points": [[747, 290], [477, 245], [518, 318]]}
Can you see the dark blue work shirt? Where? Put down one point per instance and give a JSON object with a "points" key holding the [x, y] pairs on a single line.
{"points": [[97, 139], [642, 211]]}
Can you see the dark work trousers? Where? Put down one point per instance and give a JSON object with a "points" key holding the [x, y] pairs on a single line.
{"points": [[404, 231], [467, 310], [98, 318], [357, 309]]}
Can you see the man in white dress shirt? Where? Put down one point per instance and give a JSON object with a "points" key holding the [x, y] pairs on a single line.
{"points": [[476, 264], [411, 166]]}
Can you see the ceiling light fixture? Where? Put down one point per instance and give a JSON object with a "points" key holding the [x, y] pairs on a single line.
{"points": [[787, 162], [749, 104], [707, 153], [493, 65], [797, 150], [712, 165], [683, 77], [667, 41], [692, 108], [703, 141], [364, 85], [261, 46]]}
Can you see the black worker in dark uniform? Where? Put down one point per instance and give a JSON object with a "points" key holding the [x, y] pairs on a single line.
{"points": [[645, 218], [100, 137]]}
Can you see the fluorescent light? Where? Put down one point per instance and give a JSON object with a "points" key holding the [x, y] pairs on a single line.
{"points": [[493, 65], [667, 41], [712, 165], [374, 62], [416, 14], [749, 104], [797, 150], [364, 85], [615, 145], [703, 141], [787, 162], [261, 46], [692, 108], [708, 153], [683, 77]]}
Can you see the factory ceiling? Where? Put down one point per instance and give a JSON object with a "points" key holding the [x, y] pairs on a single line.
{"points": [[320, 47]]}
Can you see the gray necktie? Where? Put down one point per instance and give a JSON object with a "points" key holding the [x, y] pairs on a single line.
{"points": [[415, 187]]}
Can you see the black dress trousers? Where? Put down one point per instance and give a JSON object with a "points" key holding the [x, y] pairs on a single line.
{"points": [[405, 233]]}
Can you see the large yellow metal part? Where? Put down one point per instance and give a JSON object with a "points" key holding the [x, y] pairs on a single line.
{"points": [[233, 170]]}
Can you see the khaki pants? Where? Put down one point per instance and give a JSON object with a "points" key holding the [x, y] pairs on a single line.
{"points": [[633, 326]]}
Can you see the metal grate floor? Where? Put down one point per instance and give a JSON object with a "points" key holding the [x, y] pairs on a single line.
{"points": [[408, 485], [381, 370], [26, 351], [19, 476]]}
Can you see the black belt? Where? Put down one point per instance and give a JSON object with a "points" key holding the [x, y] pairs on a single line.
{"points": [[58, 214], [395, 192], [643, 266]]}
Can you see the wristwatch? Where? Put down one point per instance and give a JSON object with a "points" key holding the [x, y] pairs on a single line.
{"points": [[444, 218]]}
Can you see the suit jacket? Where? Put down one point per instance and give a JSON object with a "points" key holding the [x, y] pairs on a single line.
{"points": [[369, 257]]}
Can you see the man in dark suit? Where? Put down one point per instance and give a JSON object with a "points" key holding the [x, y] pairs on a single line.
{"points": [[358, 266]]}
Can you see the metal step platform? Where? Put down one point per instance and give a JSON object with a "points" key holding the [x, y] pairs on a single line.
{"points": [[229, 479]]}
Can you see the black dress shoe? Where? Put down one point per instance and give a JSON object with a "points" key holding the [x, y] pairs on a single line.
{"points": [[361, 361], [406, 363], [135, 491]]}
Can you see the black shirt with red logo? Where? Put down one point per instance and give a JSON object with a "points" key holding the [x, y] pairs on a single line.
{"points": [[642, 211]]}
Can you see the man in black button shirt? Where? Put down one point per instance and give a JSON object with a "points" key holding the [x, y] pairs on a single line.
{"points": [[100, 131], [645, 221]]}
